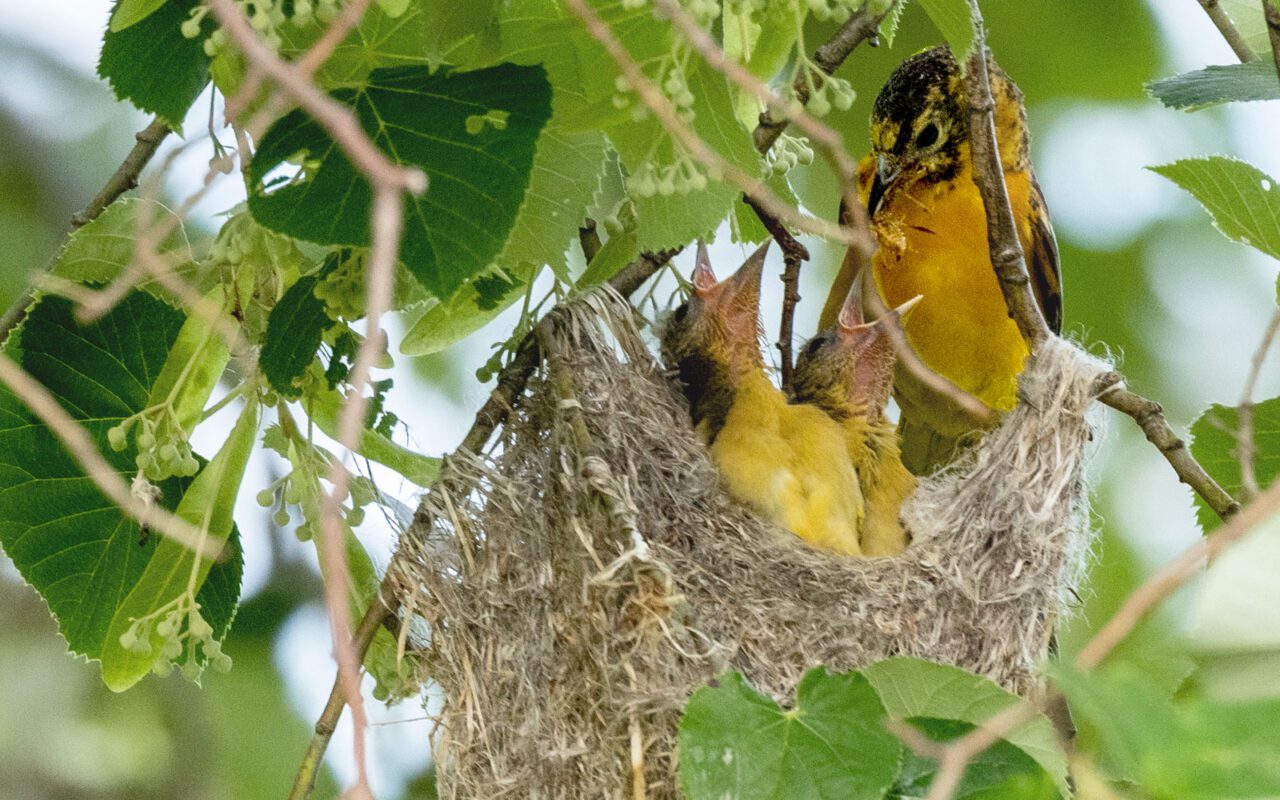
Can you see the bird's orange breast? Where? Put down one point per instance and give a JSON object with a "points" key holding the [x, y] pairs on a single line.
{"points": [[933, 242]]}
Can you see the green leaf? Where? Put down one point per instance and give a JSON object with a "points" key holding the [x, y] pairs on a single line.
{"points": [[66, 538], [102, 250], [735, 742], [1000, 771], [1211, 86], [1242, 199], [472, 133], [676, 219], [323, 408], [1235, 621], [1215, 445], [562, 183], [892, 19], [954, 21], [1192, 749], [207, 504], [152, 65], [467, 311], [294, 330], [131, 12], [382, 39], [911, 687]]}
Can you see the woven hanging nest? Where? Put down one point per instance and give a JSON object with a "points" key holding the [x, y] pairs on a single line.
{"points": [[591, 574]]}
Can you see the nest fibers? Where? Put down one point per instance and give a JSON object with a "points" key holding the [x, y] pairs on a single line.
{"points": [[583, 581]]}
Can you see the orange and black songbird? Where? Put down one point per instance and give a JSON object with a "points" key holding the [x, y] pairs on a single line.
{"points": [[787, 462], [929, 222], [847, 371]]}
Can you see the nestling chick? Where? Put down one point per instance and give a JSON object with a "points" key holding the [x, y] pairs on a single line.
{"points": [[787, 462], [847, 371]]}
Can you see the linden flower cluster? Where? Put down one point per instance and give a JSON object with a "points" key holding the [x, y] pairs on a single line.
{"points": [[786, 153], [266, 17], [194, 638], [163, 449], [301, 488]]}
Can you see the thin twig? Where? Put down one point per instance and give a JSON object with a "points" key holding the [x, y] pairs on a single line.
{"points": [[955, 756], [1007, 257], [1244, 433], [1172, 576], [1271, 11], [82, 448], [1228, 30], [305, 779], [126, 176], [1150, 418], [666, 114]]}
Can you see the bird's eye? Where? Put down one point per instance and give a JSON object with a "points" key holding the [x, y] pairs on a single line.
{"points": [[928, 136], [811, 349], [681, 312]]}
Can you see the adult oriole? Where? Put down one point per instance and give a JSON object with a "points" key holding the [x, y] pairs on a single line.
{"points": [[847, 371], [928, 219], [786, 461]]}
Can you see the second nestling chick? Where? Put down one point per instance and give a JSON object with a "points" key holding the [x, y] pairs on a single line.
{"points": [[847, 371], [787, 462]]}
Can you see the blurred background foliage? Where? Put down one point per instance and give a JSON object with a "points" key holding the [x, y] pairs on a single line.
{"points": [[1147, 280]]}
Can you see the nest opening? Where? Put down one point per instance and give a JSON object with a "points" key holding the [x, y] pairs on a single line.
{"points": [[582, 581]]}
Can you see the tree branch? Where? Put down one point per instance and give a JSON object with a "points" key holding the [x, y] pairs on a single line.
{"points": [[1009, 263], [1007, 258], [1228, 30]]}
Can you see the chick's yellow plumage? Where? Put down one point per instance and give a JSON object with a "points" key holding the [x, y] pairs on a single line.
{"points": [[847, 371], [787, 462], [928, 219]]}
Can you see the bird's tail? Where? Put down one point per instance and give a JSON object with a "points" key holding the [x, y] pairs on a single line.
{"points": [[924, 449]]}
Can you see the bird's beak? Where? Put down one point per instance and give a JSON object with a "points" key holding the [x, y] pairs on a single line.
{"points": [[736, 299], [887, 171]]}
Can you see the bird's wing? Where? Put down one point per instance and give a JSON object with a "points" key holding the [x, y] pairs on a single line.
{"points": [[1042, 258]]}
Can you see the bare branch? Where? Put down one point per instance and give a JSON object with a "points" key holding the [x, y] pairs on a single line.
{"points": [[1244, 432], [76, 440], [1172, 576], [667, 115], [1228, 30], [126, 176], [1150, 418], [956, 755], [1002, 230]]}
